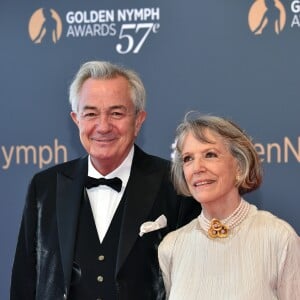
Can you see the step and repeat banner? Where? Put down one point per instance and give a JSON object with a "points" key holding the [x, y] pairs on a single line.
{"points": [[237, 59]]}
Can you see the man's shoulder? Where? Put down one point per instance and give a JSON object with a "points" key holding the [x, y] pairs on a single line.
{"points": [[69, 166], [154, 160]]}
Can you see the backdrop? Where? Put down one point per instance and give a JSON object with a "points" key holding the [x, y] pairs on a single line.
{"points": [[237, 59]]}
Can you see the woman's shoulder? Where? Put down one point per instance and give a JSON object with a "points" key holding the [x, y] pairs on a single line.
{"points": [[269, 222], [172, 236]]}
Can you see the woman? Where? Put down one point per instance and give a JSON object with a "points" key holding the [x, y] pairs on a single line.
{"points": [[232, 251]]}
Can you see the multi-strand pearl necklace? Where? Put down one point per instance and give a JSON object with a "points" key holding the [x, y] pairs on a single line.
{"points": [[220, 228]]}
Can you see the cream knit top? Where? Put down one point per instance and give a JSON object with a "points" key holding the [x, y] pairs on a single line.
{"points": [[259, 260]]}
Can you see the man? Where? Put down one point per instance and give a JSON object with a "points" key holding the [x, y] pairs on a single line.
{"points": [[81, 240]]}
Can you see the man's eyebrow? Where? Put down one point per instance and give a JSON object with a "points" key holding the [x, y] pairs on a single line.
{"points": [[89, 107], [118, 107]]}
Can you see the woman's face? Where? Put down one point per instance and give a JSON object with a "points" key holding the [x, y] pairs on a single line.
{"points": [[210, 170]]}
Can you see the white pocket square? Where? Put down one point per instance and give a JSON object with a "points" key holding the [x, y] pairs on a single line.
{"points": [[159, 223]]}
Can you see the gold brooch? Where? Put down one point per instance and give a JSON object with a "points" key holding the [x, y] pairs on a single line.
{"points": [[217, 229]]}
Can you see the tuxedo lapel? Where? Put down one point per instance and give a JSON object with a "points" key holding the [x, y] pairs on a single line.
{"points": [[142, 187], [68, 199]]}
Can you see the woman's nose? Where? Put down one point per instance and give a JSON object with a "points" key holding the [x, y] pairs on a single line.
{"points": [[199, 165]]}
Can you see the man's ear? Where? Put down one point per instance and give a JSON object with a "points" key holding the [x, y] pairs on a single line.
{"points": [[140, 118], [74, 117]]}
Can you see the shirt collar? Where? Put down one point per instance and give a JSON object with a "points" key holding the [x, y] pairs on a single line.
{"points": [[123, 171]]}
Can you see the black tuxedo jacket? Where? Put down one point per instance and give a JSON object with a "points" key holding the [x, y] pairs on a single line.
{"points": [[44, 256]]}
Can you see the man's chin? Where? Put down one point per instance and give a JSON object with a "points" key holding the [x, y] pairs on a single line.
{"points": [[102, 157]]}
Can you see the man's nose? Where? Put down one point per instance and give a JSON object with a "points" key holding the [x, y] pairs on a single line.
{"points": [[103, 122]]}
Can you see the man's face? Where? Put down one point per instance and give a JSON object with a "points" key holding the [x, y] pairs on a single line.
{"points": [[107, 121]]}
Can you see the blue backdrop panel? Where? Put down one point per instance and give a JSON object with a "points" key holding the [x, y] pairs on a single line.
{"points": [[235, 59]]}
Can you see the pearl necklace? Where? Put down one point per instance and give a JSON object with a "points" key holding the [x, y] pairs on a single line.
{"points": [[221, 228]]}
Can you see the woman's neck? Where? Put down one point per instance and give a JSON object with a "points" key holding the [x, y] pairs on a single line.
{"points": [[220, 209]]}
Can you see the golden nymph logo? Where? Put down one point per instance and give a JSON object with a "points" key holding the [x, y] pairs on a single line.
{"points": [[267, 17], [131, 27], [45, 26]]}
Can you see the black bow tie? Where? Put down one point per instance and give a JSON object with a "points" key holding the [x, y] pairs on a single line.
{"points": [[115, 183]]}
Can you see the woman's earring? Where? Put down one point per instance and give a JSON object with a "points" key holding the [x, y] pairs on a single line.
{"points": [[237, 179]]}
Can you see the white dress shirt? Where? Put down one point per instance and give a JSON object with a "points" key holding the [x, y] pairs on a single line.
{"points": [[103, 199]]}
